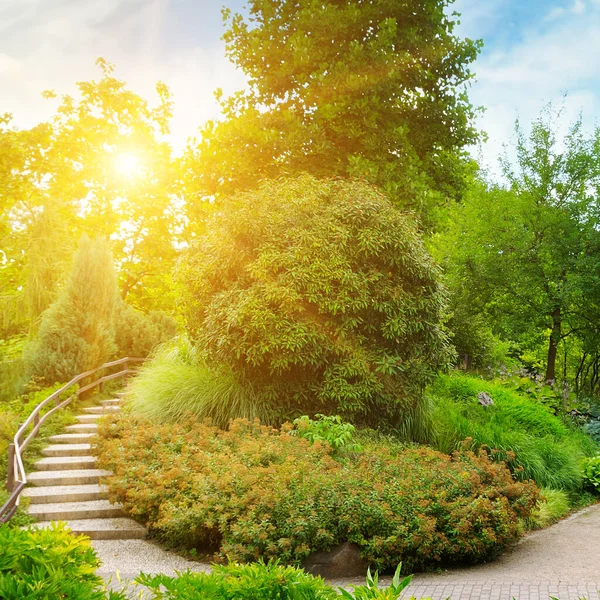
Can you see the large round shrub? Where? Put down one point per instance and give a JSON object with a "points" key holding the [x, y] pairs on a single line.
{"points": [[321, 295]]}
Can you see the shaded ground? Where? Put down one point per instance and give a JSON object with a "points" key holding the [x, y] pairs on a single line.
{"points": [[562, 561]]}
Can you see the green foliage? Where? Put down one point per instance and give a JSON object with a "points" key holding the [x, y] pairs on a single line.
{"points": [[77, 332], [46, 564], [524, 258], [552, 506], [257, 581], [371, 590], [321, 295], [330, 429], [591, 471], [137, 334], [260, 581], [47, 171], [255, 492], [14, 413], [525, 434], [177, 382], [593, 430], [372, 89], [12, 367]]}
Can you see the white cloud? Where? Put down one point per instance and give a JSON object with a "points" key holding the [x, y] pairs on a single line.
{"points": [[553, 59]]}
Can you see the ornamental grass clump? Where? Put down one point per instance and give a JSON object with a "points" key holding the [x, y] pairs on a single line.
{"points": [[534, 443], [177, 382], [256, 492]]}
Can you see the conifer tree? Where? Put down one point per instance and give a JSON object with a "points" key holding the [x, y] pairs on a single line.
{"points": [[77, 332]]}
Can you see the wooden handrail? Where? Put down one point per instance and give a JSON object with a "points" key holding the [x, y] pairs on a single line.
{"points": [[17, 477]]}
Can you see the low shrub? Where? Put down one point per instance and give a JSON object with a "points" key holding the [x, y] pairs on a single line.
{"points": [[525, 434], [330, 429], [177, 382], [46, 564], [259, 581], [591, 471], [138, 334], [256, 492]]}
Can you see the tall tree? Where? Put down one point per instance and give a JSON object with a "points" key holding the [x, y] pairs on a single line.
{"points": [[367, 88], [527, 253], [100, 166]]}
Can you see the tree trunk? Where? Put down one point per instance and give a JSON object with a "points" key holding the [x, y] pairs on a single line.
{"points": [[553, 345]]}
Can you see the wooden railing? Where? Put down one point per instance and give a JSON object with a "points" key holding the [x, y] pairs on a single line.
{"points": [[17, 478]]}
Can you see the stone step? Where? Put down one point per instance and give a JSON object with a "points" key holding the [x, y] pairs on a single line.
{"points": [[62, 463], [65, 493], [101, 410], [71, 438], [71, 477], [82, 428], [88, 418], [104, 529], [67, 450], [114, 402], [68, 511]]}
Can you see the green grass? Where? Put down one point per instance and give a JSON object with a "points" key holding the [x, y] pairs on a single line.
{"points": [[177, 382], [552, 506], [533, 442]]}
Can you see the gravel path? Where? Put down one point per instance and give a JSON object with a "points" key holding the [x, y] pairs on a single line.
{"points": [[562, 561]]}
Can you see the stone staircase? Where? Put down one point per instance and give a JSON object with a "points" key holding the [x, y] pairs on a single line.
{"points": [[66, 485]]}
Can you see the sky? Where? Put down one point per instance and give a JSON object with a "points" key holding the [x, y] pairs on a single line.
{"points": [[535, 52]]}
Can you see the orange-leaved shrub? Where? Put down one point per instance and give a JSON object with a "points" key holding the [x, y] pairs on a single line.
{"points": [[256, 492]]}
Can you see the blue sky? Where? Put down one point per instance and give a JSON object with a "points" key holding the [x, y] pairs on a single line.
{"points": [[535, 51]]}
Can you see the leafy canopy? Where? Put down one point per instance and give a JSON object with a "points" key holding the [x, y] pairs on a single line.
{"points": [[321, 295], [375, 89], [527, 255]]}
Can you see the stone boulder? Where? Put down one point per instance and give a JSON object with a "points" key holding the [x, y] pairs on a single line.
{"points": [[342, 561]]}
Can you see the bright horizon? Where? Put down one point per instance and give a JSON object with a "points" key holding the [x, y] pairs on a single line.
{"points": [[533, 54]]}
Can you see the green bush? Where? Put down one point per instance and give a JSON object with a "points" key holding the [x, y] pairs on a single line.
{"points": [[591, 471], [177, 381], [77, 331], [320, 294], [137, 334], [525, 434], [47, 564], [330, 429], [259, 581], [255, 492]]}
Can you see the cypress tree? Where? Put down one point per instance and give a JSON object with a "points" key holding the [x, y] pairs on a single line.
{"points": [[77, 332]]}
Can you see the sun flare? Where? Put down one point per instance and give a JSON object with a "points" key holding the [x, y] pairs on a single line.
{"points": [[128, 165]]}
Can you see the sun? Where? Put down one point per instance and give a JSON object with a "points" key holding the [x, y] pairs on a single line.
{"points": [[127, 165]]}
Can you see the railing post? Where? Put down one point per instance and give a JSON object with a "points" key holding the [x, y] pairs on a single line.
{"points": [[10, 478]]}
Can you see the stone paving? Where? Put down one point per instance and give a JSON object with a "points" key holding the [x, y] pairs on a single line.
{"points": [[562, 561]]}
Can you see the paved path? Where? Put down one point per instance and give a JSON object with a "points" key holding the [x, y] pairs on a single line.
{"points": [[562, 561]]}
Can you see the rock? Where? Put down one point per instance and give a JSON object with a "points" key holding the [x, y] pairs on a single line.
{"points": [[342, 561], [484, 399]]}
